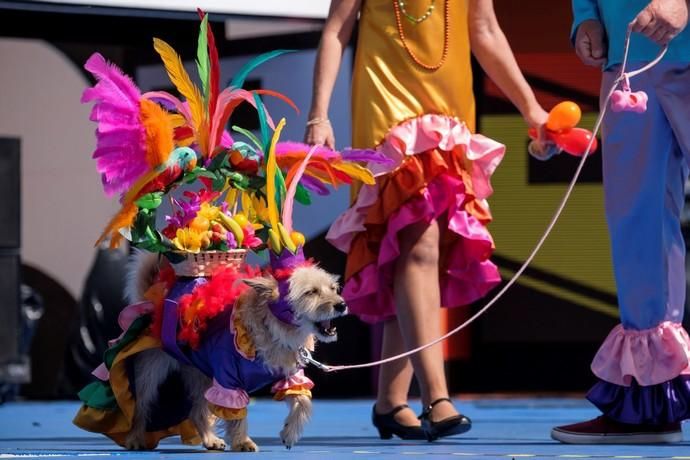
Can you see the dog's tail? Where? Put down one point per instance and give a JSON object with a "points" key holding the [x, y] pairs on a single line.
{"points": [[141, 272]]}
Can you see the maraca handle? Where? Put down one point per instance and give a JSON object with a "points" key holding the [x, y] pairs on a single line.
{"points": [[572, 141], [550, 135]]}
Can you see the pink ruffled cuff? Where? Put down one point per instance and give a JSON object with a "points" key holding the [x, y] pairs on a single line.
{"points": [[415, 136], [298, 379], [651, 356], [232, 398], [125, 319], [131, 312]]}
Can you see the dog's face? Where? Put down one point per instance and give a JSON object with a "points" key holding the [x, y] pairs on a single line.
{"points": [[315, 301]]}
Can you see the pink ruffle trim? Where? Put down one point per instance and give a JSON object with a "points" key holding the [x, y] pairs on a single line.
{"points": [[469, 272], [125, 319], [410, 138], [298, 379], [232, 398], [469, 275], [651, 356]]}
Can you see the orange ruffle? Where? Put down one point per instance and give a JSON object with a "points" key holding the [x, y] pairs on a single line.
{"points": [[398, 187], [227, 413], [303, 390]]}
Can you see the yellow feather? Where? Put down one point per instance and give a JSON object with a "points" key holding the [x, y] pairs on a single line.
{"points": [[159, 133], [356, 172], [137, 186], [247, 208], [231, 197], [177, 120], [271, 167], [180, 78]]}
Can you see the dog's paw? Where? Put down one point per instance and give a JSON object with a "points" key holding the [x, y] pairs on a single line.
{"points": [[289, 436], [135, 441], [245, 446], [214, 443]]}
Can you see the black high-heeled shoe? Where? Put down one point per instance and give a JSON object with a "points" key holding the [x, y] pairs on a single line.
{"points": [[456, 424], [388, 426]]}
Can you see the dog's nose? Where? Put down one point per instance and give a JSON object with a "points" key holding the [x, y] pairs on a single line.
{"points": [[341, 307]]}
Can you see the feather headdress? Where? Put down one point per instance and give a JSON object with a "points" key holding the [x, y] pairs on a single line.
{"points": [[149, 144]]}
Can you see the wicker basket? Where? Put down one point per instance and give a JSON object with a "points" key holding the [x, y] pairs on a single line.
{"points": [[206, 262]]}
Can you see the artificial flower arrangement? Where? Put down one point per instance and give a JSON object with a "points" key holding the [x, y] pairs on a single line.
{"points": [[239, 192]]}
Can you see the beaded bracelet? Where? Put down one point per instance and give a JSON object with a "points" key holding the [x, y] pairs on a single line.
{"points": [[318, 121]]}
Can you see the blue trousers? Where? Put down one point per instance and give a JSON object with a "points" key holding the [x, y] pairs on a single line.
{"points": [[645, 165]]}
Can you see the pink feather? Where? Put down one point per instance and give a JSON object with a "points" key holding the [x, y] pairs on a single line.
{"points": [[162, 96], [120, 138], [113, 85], [226, 140], [228, 100], [320, 151], [292, 189]]}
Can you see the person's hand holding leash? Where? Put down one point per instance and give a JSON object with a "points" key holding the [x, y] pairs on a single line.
{"points": [[662, 20]]}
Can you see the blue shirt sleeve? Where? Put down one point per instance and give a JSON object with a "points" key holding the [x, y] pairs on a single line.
{"points": [[582, 11]]}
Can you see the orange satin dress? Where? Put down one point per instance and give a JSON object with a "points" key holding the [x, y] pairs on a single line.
{"points": [[423, 121]]}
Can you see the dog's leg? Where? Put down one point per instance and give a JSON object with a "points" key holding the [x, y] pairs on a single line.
{"points": [[204, 421], [236, 435], [300, 412], [151, 368]]}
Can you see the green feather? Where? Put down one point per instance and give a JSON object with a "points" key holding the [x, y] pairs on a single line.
{"points": [[202, 59], [249, 135], [281, 190], [302, 195]]}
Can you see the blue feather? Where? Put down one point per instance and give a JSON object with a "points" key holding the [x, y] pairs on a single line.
{"points": [[263, 124], [241, 75]]}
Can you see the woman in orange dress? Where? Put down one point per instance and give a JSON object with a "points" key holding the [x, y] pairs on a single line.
{"points": [[417, 239]]}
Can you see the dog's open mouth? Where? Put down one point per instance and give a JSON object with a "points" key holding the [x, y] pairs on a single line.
{"points": [[325, 328]]}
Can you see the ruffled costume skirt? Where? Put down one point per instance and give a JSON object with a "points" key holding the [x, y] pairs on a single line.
{"points": [[109, 402], [440, 171], [644, 375]]}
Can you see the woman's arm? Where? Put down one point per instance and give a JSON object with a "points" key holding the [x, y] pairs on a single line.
{"points": [[490, 47], [335, 36]]}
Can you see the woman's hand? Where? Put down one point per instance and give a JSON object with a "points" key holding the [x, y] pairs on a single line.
{"points": [[320, 132], [540, 148], [336, 34]]}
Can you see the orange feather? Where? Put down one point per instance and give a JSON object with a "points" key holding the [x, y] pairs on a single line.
{"points": [[123, 219], [159, 132]]}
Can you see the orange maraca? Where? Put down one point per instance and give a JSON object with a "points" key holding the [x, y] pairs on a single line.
{"points": [[561, 129]]}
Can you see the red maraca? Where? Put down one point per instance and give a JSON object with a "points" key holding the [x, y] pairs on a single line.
{"points": [[561, 130]]}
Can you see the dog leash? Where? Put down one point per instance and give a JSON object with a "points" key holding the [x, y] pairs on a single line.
{"points": [[623, 77]]}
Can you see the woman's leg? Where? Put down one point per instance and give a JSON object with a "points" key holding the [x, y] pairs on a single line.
{"points": [[418, 302], [394, 377]]}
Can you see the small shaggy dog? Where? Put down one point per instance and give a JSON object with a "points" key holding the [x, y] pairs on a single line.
{"points": [[313, 300]]}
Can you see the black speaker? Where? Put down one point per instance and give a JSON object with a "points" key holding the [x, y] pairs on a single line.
{"points": [[9, 308], [9, 193], [9, 257]]}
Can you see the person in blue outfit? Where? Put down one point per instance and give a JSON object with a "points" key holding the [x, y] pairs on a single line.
{"points": [[643, 370]]}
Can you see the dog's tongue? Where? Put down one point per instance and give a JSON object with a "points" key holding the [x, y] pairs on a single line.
{"points": [[325, 324]]}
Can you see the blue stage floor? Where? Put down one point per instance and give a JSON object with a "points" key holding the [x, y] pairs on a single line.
{"points": [[503, 428]]}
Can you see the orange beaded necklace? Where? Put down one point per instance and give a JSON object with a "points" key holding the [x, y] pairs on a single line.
{"points": [[446, 35]]}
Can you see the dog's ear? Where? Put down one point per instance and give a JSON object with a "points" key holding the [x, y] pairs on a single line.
{"points": [[264, 287]]}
